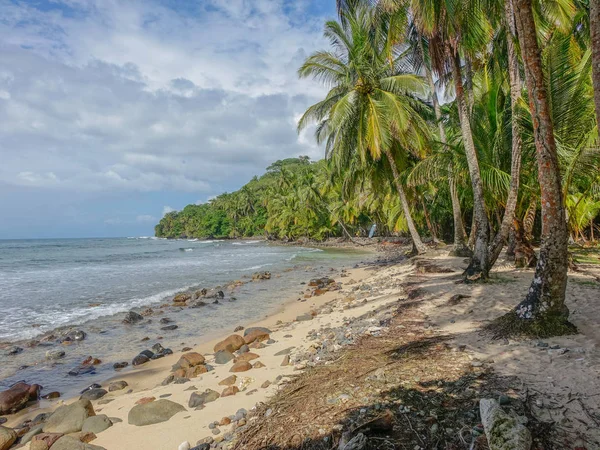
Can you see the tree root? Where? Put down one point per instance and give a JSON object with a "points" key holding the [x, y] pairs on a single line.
{"points": [[511, 325]]}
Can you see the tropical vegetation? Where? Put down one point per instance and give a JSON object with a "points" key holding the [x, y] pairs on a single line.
{"points": [[474, 122]]}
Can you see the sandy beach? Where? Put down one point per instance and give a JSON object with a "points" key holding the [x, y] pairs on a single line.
{"points": [[378, 308]]}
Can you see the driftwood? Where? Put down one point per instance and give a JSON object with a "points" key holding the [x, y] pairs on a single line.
{"points": [[503, 432]]}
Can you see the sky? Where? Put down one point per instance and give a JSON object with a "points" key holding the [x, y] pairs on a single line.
{"points": [[114, 112]]}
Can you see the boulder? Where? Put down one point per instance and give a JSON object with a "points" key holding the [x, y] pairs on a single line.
{"points": [[187, 360], [30, 434], [47, 439], [231, 344], [223, 357], [132, 317], [261, 276], [247, 331], [200, 399], [194, 372], [117, 386], [256, 335], [69, 418], [70, 443], [75, 335], [139, 360], [96, 424], [120, 365], [7, 438], [503, 431], [241, 366], [153, 412], [17, 396], [93, 394], [51, 395]]}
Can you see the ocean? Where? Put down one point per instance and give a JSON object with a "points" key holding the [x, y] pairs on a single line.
{"points": [[90, 284]]}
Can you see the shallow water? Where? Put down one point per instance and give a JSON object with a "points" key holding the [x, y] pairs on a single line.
{"points": [[91, 283]]}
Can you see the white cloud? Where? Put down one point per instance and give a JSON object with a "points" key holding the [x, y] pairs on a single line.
{"points": [[167, 210], [146, 218]]}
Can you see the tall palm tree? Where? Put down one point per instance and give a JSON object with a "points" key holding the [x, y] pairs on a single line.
{"points": [[372, 107], [543, 310], [595, 38]]}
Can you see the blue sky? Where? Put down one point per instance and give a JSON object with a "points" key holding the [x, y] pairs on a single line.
{"points": [[115, 111]]}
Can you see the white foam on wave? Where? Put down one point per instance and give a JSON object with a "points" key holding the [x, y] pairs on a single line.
{"points": [[51, 320], [260, 266], [246, 243]]}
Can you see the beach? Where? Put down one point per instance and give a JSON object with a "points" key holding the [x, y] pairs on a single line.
{"points": [[397, 341]]}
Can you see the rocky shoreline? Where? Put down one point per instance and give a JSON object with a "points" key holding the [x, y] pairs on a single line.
{"points": [[13, 399]]}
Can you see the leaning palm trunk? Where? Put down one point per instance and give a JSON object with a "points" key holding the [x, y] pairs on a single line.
{"points": [[595, 35], [460, 236], [479, 266], [414, 234], [515, 170], [543, 311]]}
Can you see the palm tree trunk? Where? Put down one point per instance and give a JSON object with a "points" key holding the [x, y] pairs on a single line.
{"points": [[544, 306], [460, 236], [529, 219], [515, 170], [430, 225], [414, 234], [595, 36], [479, 266]]}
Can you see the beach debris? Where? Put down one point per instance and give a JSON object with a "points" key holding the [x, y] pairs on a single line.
{"points": [[503, 431]]}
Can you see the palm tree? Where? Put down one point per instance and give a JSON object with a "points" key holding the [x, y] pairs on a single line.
{"points": [[595, 37], [372, 106], [543, 311]]}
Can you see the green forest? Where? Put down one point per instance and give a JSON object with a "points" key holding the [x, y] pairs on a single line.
{"points": [[470, 122]]}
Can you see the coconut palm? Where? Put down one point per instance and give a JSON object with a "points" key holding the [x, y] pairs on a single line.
{"points": [[372, 107]]}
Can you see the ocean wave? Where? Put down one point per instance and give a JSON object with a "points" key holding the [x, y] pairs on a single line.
{"points": [[186, 249], [246, 243], [51, 320], [260, 266]]}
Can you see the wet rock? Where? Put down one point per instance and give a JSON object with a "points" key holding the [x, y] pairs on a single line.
{"points": [[169, 328], [261, 276], [231, 344], [17, 396], [7, 438], [154, 412], [223, 357], [229, 381], [139, 360], [200, 399], [241, 366], [55, 354], [120, 365], [182, 298], [90, 387], [75, 335], [81, 370], [238, 328], [117, 386], [69, 418], [51, 395], [132, 317], [14, 350], [165, 321], [96, 424]]}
